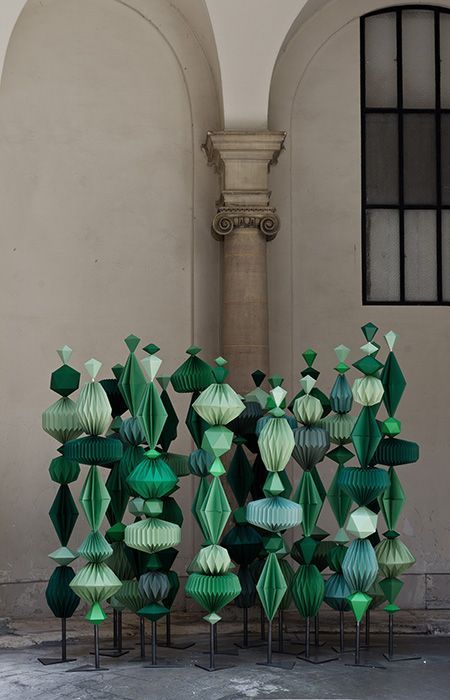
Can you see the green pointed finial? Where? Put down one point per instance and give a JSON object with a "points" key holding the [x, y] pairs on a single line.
{"points": [[151, 348], [275, 380], [93, 367], [117, 371], [370, 348], [163, 382], [220, 361], [193, 350], [369, 330], [65, 353], [309, 356], [132, 341], [391, 339], [342, 352], [151, 364], [258, 377], [307, 383], [278, 394]]}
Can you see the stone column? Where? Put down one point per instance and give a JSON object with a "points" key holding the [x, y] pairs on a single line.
{"points": [[244, 223]]}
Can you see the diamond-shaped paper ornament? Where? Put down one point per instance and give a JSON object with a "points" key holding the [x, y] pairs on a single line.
{"points": [[340, 501], [214, 511], [391, 588], [308, 589], [132, 382], [61, 600], [119, 494], [392, 500], [365, 436], [151, 414], [394, 557], [95, 583], [95, 614], [341, 397], [63, 514], [271, 586], [94, 498], [360, 565], [199, 497], [394, 384], [62, 556], [273, 485], [219, 404], [303, 550], [309, 356], [151, 365], [217, 440], [359, 603], [95, 548], [342, 352], [369, 330], [152, 478], [391, 339], [391, 427], [310, 501], [240, 475], [276, 442], [362, 522], [340, 455]]}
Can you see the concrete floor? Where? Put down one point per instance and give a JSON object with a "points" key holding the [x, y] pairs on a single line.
{"points": [[22, 676]]}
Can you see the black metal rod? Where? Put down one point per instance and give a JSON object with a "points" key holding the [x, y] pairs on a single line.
{"points": [[280, 631], [115, 629], [153, 642], [341, 632], [245, 613], [63, 639], [96, 647], [168, 631], [357, 644], [391, 636], [316, 630], [142, 636], [119, 631], [269, 642], [262, 622], [367, 631], [215, 639], [211, 647], [307, 637]]}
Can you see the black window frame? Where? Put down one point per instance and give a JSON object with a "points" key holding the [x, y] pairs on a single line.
{"points": [[401, 207]]}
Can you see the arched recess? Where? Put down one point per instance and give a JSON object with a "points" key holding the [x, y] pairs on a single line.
{"points": [[315, 262], [106, 204]]}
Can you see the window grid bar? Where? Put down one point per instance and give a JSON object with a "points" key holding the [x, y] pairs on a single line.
{"points": [[437, 63], [401, 196], [364, 267]]}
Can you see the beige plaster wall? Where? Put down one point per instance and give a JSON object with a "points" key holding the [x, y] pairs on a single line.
{"points": [[106, 204], [315, 277]]}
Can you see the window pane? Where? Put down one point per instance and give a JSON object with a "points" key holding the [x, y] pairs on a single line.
{"points": [[418, 58], [445, 151], [446, 255], [420, 256], [419, 171], [383, 257], [382, 158], [445, 60], [381, 64]]}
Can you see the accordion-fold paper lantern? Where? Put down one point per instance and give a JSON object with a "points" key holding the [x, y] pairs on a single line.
{"points": [[61, 421], [360, 566], [363, 485], [93, 450], [276, 442], [310, 446], [152, 535], [274, 514], [212, 592], [94, 583]]}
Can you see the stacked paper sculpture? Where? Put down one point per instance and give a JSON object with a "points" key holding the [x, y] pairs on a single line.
{"points": [[60, 421]]}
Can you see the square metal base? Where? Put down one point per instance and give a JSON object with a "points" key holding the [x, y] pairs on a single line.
{"points": [[112, 653], [225, 652], [391, 659], [366, 665], [217, 667], [317, 658], [286, 665], [187, 645], [163, 663], [138, 659], [252, 645], [52, 662], [86, 668]]}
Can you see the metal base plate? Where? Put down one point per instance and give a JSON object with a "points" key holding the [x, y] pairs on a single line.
{"points": [[51, 662], [163, 663], [251, 645], [286, 665], [401, 658], [366, 664], [187, 645], [224, 652], [138, 659], [317, 658], [87, 667], [217, 667]]}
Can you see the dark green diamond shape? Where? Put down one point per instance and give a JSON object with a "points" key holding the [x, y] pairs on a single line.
{"points": [[151, 349], [369, 330], [132, 341], [309, 356], [258, 377], [65, 380], [340, 454], [368, 365]]}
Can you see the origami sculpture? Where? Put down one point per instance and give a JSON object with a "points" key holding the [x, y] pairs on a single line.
{"points": [[210, 581], [60, 421]]}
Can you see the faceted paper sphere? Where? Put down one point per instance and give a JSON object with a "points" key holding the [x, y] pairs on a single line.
{"points": [[310, 446], [60, 420], [243, 543], [360, 566], [212, 592], [367, 391], [219, 404], [152, 478], [93, 409], [200, 462], [154, 586], [64, 471], [276, 442], [394, 557], [65, 380], [362, 522], [274, 514], [308, 589], [152, 535], [213, 560], [307, 409]]}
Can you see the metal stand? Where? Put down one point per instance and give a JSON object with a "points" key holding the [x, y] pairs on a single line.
{"points": [[223, 652], [287, 665], [245, 643], [342, 648], [141, 657], [262, 623], [306, 654], [281, 648], [317, 642], [390, 656], [168, 643], [212, 661], [117, 648], [155, 663], [88, 667], [357, 661], [63, 659]]}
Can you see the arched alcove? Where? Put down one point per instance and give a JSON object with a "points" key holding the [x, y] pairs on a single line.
{"points": [[106, 204], [315, 262]]}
